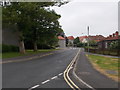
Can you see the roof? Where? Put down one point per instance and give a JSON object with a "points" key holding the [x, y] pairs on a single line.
{"points": [[115, 36], [96, 38], [70, 38], [112, 38], [61, 38], [82, 37]]}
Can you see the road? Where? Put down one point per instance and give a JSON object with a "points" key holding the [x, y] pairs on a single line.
{"points": [[47, 72], [44, 72]]}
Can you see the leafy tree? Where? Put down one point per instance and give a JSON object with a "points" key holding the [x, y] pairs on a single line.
{"points": [[114, 45], [66, 41], [76, 41], [79, 44], [32, 19], [92, 43]]}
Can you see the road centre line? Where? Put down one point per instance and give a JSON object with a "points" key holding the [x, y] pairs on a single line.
{"points": [[60, 74], [34, 87], [54, 77], [45, 81]]}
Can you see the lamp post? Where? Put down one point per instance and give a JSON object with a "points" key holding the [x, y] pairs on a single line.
{"points": [[88, 37]]}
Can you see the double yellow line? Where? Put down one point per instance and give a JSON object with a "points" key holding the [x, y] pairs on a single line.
{"points": [[66, 74]]}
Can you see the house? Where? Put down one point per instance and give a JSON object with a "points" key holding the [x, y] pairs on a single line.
{"points": [[61, 42], [104, 44], [70, 40], [96, 38], [85, 39]]}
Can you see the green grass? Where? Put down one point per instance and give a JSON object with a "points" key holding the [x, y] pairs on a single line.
{"points": [[103, 62], [28, 52]]}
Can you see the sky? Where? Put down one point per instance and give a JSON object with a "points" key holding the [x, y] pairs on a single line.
{"points": [[100, 15]]}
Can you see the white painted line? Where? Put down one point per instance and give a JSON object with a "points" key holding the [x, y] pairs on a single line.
{"points": [[71, 67], [45, 81], [60, 74], [83, 82], [34, 87], [54, 77]]}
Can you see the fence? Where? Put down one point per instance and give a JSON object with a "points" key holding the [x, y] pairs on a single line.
{"points": [[104, 51]]}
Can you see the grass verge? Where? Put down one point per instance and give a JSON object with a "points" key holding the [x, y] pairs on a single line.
{"points": [[28, 52], [104, 64]]}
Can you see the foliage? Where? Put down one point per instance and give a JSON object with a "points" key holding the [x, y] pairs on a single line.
{"points": [[79, 44], [66, 41], [92, 43], [76, 40], [9, 48], [34, 21], [114, 45]]}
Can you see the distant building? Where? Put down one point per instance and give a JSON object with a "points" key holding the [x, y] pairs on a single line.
{"points": [[70, 40], [61, 42], [104, 44], [85, 39]]}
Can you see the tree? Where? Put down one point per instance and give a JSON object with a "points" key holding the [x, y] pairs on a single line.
{"points": [[115, 45], [13, 18], [45, 27], [76, 41], [92, 43], [31, 18]]}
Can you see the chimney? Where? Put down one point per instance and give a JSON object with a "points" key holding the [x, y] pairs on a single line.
{"points": [[113, 35], [117, 33], [110, 35]]}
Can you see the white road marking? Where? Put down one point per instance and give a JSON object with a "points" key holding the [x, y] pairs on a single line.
{"points": [[45, 81], [54, 77], [34, 87], [60, 74]]}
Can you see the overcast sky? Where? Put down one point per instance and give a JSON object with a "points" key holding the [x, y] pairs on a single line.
{"points": [[102, 17]]}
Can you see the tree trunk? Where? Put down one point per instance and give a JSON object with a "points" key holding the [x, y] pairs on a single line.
{"points": [[22, 47], [35, 46]]}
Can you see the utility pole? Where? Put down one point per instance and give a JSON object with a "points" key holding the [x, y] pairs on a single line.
{"points": [[88, 37]]}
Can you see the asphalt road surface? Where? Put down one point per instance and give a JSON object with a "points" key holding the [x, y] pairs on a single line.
{"points": [[47, 72], [44, 72], [92, 77]]}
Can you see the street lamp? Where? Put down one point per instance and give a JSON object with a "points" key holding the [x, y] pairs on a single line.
{"points": [[88, 37]]}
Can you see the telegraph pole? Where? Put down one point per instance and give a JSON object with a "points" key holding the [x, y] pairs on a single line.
{"points": [[88, 37]]}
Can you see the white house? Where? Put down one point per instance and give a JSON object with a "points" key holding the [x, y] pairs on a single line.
{"points": [[70, 40], [61, 42]]}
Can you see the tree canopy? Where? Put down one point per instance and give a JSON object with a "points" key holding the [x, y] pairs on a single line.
{"points": [[34, 21]]}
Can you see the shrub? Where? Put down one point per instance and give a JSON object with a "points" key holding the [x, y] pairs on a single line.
{"points": [[9, 48]]}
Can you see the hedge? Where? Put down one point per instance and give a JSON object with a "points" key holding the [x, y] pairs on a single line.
{"points": [[9, 48]]}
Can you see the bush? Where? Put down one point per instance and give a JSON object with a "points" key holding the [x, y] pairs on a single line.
{"points": [[9, 48], [79, 44]]}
